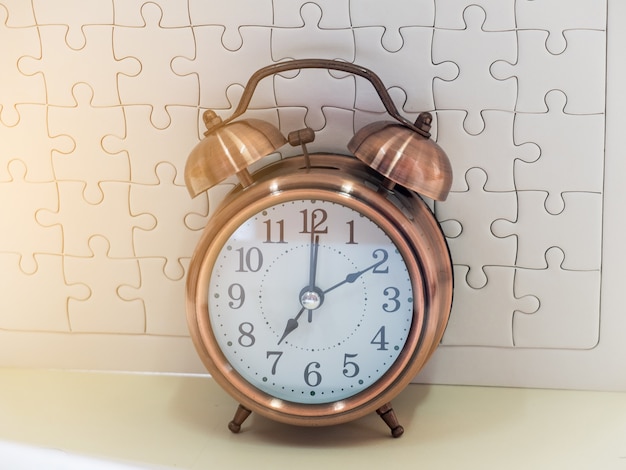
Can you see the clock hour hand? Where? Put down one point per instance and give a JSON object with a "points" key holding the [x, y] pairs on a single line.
{"points": [[310, 297], [292, 324]]}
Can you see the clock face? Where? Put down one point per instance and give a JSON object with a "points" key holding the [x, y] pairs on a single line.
{"points": [[310, 301]]}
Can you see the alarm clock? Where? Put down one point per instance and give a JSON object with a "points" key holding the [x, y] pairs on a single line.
{"points": [[322, 283]]}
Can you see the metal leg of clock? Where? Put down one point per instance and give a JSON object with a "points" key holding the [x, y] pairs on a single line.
{"points": [[389, 416], [240, 416]]}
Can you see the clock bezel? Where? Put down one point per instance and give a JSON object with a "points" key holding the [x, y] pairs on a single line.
{"points": [[405, 218]]}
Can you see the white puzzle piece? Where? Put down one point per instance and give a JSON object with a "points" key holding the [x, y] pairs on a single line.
{"points": [[21, 234], [474, 90], [472, 241], [554, 133], [156, 84], [569, 303], [87, 161], [102, 273], [578, 71], [18, 87]]}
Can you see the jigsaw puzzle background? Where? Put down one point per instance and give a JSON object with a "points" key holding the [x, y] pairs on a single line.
{"points": [[100, 106]]}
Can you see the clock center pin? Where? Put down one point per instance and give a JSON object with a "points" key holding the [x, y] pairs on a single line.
{"points": [[311, 299]]}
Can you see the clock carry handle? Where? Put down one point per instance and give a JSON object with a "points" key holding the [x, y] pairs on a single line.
{"points": [[322, 64]]}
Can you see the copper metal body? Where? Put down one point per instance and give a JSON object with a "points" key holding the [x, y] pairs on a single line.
{"points": [[405, 157], [400, 150], [227, 152], [402, 215]]}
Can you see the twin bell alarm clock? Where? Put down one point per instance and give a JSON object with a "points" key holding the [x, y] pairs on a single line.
{"points": [[322, 283]]}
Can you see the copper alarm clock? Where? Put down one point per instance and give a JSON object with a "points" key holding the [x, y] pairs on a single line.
{"points": [[322, 284]]}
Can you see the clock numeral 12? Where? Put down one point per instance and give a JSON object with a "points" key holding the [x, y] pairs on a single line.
{"points": [[316, 220]]}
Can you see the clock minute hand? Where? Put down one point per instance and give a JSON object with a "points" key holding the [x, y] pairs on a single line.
{"points": [[315, 243], [350, 278]]}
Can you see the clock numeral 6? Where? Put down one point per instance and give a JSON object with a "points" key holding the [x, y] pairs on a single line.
{"points": [[312, 377]]}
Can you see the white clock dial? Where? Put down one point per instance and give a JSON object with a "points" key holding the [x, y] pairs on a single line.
{"points": [[310, 301]]}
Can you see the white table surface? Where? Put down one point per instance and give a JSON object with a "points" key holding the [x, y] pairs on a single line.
{"points": [[108, 420]]}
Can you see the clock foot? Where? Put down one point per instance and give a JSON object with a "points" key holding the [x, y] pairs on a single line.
{"points": [[389, 416], [240, 416]]}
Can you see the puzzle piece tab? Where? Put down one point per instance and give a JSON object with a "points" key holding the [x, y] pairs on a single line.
{"points": [[414, 13], [551, 16], [128, 13], [73, 15], [231, 16], [335, 13], [483, 317], [499, 14]]}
